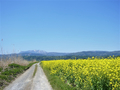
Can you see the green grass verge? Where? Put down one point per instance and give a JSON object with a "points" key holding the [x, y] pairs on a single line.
{"points": [[1, 69], [35, 70], [11, 73], [56, 82]]}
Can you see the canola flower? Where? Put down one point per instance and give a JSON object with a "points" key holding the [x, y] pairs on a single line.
{"points": [[87, 74]]}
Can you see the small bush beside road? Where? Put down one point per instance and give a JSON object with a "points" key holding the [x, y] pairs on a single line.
{"points": [[11, 71]]}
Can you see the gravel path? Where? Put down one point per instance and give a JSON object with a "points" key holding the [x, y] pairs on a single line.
{"points": [[27, 82], [40, 81]]}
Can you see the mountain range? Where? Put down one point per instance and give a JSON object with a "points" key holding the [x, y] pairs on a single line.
{"points": [[83, 53], [41, 53]]}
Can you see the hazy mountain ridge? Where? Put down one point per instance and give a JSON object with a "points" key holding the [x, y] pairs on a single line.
{"points": [[83, 53], [34, 51], [97, 53], [41, 53]]}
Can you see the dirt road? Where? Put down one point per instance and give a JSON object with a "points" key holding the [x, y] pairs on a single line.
{"points": [[27, 82]]}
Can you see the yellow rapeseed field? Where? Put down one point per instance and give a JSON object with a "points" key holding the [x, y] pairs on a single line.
{"points": [[87, 74]]}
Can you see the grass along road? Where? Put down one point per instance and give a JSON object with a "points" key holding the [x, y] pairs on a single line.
{"points": [[27, 82]]}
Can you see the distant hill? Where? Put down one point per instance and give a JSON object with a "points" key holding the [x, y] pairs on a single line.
{"points": [[96, 53], [83, 53], [34, 51], [41, 53]]}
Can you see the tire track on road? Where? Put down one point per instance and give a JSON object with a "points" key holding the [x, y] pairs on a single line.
{"points": [[40, 81], [27, 82]]}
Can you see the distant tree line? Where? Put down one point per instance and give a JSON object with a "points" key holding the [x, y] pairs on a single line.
{"points": [[41, 58]]}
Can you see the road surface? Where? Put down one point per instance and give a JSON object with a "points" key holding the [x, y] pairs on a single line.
{"points": [[27, 82]]}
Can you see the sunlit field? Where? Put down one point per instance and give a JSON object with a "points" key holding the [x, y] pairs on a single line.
{"points": [[87, 74]]}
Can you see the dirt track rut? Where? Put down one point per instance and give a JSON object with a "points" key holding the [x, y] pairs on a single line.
{"points": [[27, 82]]}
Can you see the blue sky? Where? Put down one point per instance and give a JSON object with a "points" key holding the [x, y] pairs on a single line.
{"points": [[59, 25]]}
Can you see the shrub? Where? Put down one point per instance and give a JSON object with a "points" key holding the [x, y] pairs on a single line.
{"points": [[1, 69]]}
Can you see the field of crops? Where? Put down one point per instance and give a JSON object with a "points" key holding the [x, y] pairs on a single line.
{"points": [[87, 74]]}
